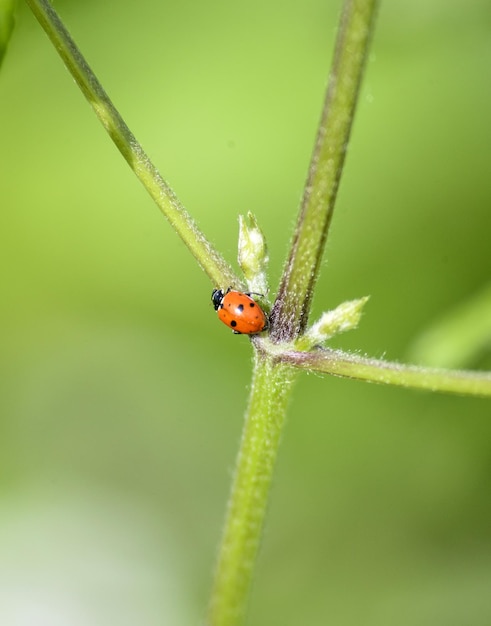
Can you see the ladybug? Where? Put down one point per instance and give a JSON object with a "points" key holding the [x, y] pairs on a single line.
{"points": [[238, 310]]}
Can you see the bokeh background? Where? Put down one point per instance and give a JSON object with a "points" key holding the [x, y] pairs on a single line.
{"points": [[122, 396]]}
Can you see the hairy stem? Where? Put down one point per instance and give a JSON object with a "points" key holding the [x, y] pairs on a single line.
{"points": [[209, 259], [271, 388], [292, 306], [353, 366]]}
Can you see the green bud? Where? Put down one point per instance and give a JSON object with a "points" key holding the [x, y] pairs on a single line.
{"points": [[253, 254], [344, 317]]}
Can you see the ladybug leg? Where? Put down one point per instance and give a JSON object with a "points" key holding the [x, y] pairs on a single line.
{"points": [[253, 293]]}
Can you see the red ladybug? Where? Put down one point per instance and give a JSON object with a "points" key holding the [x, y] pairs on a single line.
{"points": [[239, 311]]}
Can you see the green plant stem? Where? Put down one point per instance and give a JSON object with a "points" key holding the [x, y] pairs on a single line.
{"points": [[353, 366], [292, 306], [271, 388], [7, 20], [209, 259]]}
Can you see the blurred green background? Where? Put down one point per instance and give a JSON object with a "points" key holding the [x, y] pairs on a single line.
{"points": [[121, 394]]}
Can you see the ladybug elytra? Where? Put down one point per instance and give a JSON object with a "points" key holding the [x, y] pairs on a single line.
{"points": [[238, 310]]}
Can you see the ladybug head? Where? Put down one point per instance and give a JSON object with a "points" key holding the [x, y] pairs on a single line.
{"points": [[216, 298]]}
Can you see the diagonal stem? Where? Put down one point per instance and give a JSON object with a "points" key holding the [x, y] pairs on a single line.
{"points": [[209, 259]]}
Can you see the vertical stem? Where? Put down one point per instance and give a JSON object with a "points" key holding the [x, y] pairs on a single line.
{"points": [[290, 312], [271, 388]]}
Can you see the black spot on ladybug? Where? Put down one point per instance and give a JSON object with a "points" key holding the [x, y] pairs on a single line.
{"points": [[233, 323], [240, 308], [252, 304]]}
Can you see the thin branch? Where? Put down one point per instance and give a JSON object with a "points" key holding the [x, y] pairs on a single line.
{"points": [[340, 363], [209, 259], [292, 306]]}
